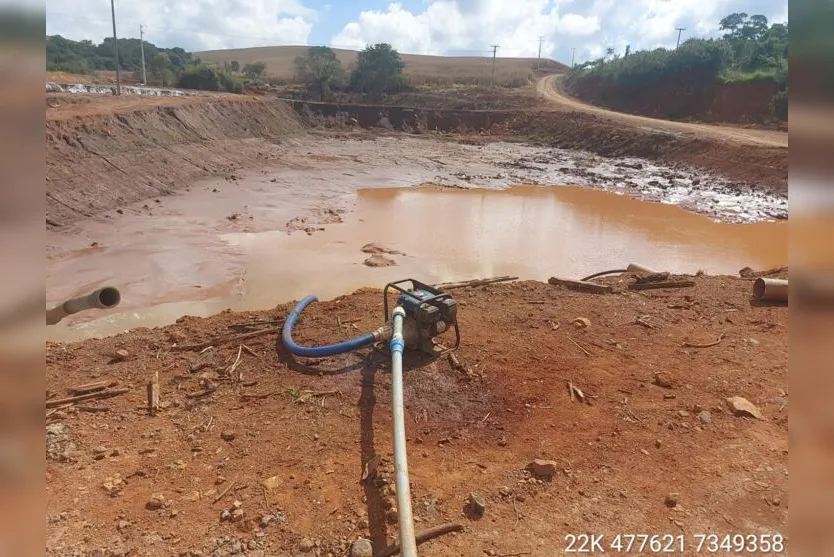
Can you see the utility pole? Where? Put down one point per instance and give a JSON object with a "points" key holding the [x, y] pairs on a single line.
{"points": [[539, 61], [142, 50], [494, 52], [573, 57], [116, 49], [679, 30]]}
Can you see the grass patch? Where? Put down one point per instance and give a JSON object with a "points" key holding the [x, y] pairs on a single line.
{"points": [[738, 76]]}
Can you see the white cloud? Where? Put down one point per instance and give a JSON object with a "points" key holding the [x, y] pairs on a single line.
{"points": [[193, 25], [589, 26]]}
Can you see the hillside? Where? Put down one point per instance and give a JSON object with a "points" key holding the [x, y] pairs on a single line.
{"points": [[418, 69]]}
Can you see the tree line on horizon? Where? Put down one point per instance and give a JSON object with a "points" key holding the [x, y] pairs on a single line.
{"points": [[379, 69]]}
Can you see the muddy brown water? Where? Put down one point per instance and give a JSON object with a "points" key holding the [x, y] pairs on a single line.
{"points": [[533, 232]]}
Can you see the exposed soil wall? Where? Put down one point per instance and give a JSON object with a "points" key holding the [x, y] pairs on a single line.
{"points": [[743, 102], [400, 118], [763, 167], [97, 162]]}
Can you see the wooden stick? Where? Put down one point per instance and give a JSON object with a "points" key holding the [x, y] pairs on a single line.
{"points": [[707, 345], [578, 346], [652, 277], [224, 492], [475, 282], [153, 394], [92, 387], [666, 284], [226, 339], [582, 286], [423, 537], [89, 396], [200, 394], [516, 554], [231, 369]]}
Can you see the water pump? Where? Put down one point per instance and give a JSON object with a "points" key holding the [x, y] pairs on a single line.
{"points": [[428, 314]]}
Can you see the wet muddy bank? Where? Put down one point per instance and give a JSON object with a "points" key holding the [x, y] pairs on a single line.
{"points": [[757, 167], [270, 235]]}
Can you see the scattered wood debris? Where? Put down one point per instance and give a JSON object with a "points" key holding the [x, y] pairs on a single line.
{"points": [[580, 347], [664, 284], [92, 387], [225, 339], [89, 396], [475, 282], [646, 321], [230, 371], [652, 277], [422, 537], [581, 286], [575, 392]]}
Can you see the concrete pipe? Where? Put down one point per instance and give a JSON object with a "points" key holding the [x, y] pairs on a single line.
{"points": [[768, 289], [103, 298]]}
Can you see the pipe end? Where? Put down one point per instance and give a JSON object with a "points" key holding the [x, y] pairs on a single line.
{"points": [[759, 288], [108, 297]]}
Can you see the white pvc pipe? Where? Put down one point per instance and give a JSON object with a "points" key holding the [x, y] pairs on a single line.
{"points": [[408, 545]]}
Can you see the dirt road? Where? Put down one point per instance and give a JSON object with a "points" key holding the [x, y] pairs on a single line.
{"points": [[549, 87]]}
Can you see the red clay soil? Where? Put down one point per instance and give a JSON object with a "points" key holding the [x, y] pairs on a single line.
{"points": [[310, 426], [112, 151]]}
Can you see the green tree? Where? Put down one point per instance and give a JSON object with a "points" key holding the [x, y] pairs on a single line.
{"points": [[255, 70], [235, 65], [158, 64], [320, 70], [379, 69], [733, 24]]}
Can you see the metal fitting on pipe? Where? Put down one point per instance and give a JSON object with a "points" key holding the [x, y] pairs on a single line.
{"points": [[768, 289], [408, 544], [103, 298]]}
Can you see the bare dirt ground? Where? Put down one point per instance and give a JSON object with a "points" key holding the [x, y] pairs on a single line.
{"points": [[550, 89], [122, 482]]}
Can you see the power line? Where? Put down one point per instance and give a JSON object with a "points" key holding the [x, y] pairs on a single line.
{"points": [[494, 52], [679, 30]]}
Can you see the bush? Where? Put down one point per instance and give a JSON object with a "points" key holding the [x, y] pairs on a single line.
{"points": [[230, 83], [201, 77]]}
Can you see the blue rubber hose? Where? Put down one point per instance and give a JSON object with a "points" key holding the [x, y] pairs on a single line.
{"points": [[318, 351]]}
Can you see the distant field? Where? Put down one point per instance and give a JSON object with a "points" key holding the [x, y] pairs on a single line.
{"points": [[420, 70]]}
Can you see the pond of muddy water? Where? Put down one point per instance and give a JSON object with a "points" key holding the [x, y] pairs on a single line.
{"points": [[183, 255]]}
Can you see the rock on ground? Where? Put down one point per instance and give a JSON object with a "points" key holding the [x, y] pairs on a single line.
{"points": [[362, 548], [744, 408], [378, 260]]}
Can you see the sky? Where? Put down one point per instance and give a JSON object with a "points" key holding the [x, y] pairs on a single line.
{"points": [[439, 27]]}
